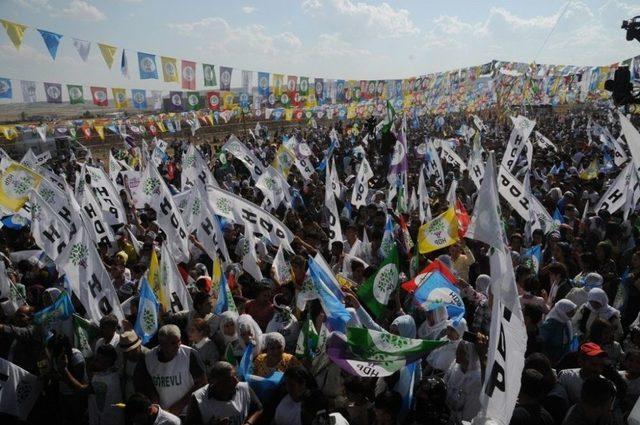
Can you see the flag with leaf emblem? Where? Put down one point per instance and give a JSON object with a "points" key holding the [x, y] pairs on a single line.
{"points": [[83, 333], [377, 289], [20, 390], [147, 321], [61, 309], [439, 233], [307, 343]]}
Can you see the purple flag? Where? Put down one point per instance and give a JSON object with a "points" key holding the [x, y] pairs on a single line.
{"points": [[53, 92]]}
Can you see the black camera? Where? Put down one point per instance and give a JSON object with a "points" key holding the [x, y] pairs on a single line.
{"points": [[633, 28]]}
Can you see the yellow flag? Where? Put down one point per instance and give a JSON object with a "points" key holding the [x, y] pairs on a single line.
{"points": [[440, 232], [14, 31], [120, 98], [278, 81], [169, 69], [161, 126], [227, 100], [288, 114], [311, 100], [284, 159], [9, 132], [155, 280], [100, 130], [591, 172], [108, 53], [216, 275], [351, 111], [17, 181]]}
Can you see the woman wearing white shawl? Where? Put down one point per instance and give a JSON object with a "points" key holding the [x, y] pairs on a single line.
{"points": [[227, 338], [557, 331], [443, 357], [435, 325], [464, 383], [250, 331], [597, 306]]}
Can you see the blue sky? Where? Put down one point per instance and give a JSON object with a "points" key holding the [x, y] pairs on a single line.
{"points": [[350, 39]]}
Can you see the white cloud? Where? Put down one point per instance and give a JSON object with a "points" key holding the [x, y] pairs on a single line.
{"points": [[248, 9], [332, 45], [34, 4], [82, 11], [311, 6], [385, 21]]}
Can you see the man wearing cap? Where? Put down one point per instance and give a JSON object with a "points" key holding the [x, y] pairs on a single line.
{"points": [[591, 359], [131, 351]]}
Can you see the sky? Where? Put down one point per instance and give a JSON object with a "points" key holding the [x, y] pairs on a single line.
{"points": [[340, 39]]}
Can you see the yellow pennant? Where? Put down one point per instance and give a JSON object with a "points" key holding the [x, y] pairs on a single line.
{"points": [[439, 233], [100, 130], [288, 114], [216, 276], [14, 31], [9, 132], [120, 98], [155, 280], [108, 53], [15, 184], [161, 126], [169, 69], [278, 81]]}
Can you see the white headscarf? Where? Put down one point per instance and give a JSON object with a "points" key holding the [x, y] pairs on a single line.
{"points": [[246, 324], [427, 331], [606, 311], [483, 282], [406, 326], [225, 318], [560, 310]]}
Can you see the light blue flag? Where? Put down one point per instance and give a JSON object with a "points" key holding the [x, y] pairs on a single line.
{"points": [[265, 388], [533, 257], [5, 88], [327, 156], [61, 309], [437, 291], [337, 314], [557, 216], [147, 66], [222, 304], [245, 368], [139, 98], [263, 84], [405, 386], [51, 40], [147, 321], [387, 238], [169, 126]]}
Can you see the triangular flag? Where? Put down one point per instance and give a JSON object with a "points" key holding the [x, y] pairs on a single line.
{"points": [[108, 53], [14, 31], [51, 40], [83, 47]]}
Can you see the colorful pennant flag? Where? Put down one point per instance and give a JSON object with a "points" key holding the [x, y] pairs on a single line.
{"points": [[225, 298], [213, 100], [147, 66], [263, 84], [175, 98], [376, 291], [51, 40], [439, 233], [108, 53], [99, 95], [209, 74], [193, 100], [303, 86], [83, 47], [120, 98], [14, 31], [124, 64], [15, 184], [139, 98], [436, 290], [53, 92], [28, 91], [591, 172], [188, 75], [169, 69], [61, 309], [147, 321], [5, 88], [76, 94], [225, 78]]}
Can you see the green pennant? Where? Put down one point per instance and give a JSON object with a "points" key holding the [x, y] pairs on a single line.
{"points": [[377, 289]]}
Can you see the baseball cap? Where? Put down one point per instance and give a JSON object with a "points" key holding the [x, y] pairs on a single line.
{"points": [[591, 349]]}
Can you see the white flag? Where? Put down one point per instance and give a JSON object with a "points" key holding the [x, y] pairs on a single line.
{"points": [[522, 128], [434, 166], [107, 196], [544, 143], [19, 390], [423, 195], [619, 156], [240, 151], [616, 196], [28, 91], [281, 268], [89, 280], [194, 167], [93, 217], [154, 191], [249, 256], [274, 186], [42, 132], [451, 157], [82, 47], [335, 231], [513, 192], [171, 281], [361, 187], [47, 229], [335, 180], [208, 229], [508, 336]]}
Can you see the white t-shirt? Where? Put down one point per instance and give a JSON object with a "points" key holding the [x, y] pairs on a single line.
{"points": [[172, 380], [288, 412], [236, 409], [166, 418]]}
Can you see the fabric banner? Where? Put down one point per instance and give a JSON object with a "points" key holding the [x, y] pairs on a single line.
{"points": [[508, 335], [15, 183], [83, 47], [361, 187], [147, 66], [28, 91], [107, 196], [76, 94], [48, 230], [19, 390], [209, 75], [439, 233], [195, 168], [263, 84], [120, 98], [108, 53], [292, 86], [53, 92], [225, 78], [89, 280], [146, 324], [139, 98], [451, 157], [236, 148], [303, 86], [193, 101], [51, 40], [170, 280], [99, 96], [188, 75], [213, 100], [513, 192], [376, 291], [522, 128], [207, 226], [434, 166], [14, 31], [238, 209], [333, 218], [318, 85], [175, 101], [169, 69], [153, 191], [92, 214], [616, 195], [278, 84]]}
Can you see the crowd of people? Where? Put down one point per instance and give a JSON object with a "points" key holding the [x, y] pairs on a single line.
{"points": [[580, 302]]}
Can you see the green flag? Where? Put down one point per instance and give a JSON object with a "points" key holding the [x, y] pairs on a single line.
{"points": [[76, 94], [307, 340], [389, 118], [229, 356], [385, 346], [377, 289], [83, 333], [194, 101], [209, 73]]}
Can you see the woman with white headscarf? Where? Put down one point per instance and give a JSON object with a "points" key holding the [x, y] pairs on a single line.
{"points": [[597, 306], [464, 383], [556, 331], [250, 331], [227, 338], [443, 357], [434, 326]]}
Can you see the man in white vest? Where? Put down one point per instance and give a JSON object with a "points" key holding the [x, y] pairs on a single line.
{"points": [[224, 400], [170, 372]]}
